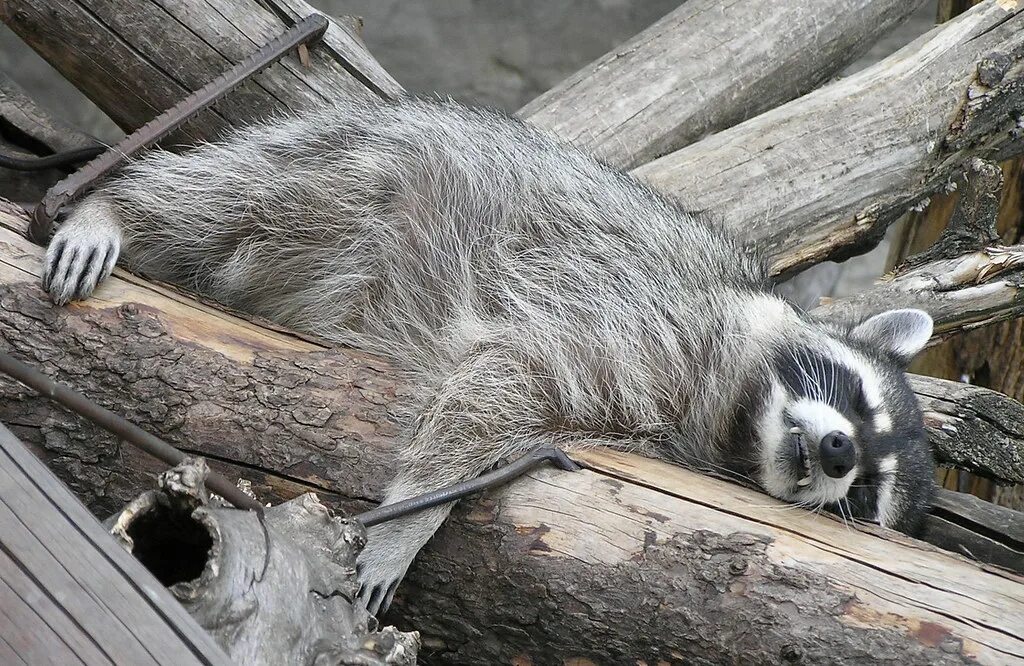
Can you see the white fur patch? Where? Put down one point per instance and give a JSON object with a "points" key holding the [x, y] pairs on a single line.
{"points": [[772, 433], [883, 422], [819, 419], [887, 473], [766, 315]]}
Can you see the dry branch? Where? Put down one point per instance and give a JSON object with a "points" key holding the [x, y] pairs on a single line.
{"points": [[823, 176], [702, 69], [548, 568]]}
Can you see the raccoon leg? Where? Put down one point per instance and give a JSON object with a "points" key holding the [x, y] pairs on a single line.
{"points": [[484, 411], [83, 251]]}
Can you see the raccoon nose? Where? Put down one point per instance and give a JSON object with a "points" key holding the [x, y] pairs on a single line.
{"points": [[837, 454]]}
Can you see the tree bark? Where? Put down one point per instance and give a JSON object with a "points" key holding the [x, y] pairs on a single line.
{"points": [[548, 568], [702, 69]]}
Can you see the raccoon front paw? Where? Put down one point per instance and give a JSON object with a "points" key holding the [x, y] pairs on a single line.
{"points": [[380, 568], [79, 257]]}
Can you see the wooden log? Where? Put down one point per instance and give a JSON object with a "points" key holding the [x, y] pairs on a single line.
{"points": [[980, 530], [275, 589], [823, 176], [68, 592], [701, 69], [550, 568], [136, 59]]}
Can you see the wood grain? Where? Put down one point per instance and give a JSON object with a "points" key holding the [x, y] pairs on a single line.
{"points": [[68, 592]]}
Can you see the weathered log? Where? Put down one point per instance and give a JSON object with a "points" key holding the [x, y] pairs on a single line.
{"points": [[822, 176], [702, 69], [980, 530], [276, 590], [549, 568], [134, 64], [69, 593]]}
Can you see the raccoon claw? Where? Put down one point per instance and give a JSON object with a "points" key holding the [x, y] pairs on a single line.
{"points": [[376, 589], [381, 567], [77, 260]]}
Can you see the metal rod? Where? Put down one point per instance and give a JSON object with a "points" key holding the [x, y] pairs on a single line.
{"points": [[457, 491], [119, 426], [306, 30], [55, 161]]}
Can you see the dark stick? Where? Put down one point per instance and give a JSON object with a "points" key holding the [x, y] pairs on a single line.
{"points": [[117, 425], [457, 491], [311, 27]]}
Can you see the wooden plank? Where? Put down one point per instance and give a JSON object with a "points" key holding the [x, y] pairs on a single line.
{"points": [[69, 592]]}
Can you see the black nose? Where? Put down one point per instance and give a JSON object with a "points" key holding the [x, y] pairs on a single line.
{"points": [[837, 454]]}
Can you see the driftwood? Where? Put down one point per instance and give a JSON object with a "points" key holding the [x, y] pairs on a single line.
{"points": [[550, 567], [701, 69], [279, 592], [68, 593]]}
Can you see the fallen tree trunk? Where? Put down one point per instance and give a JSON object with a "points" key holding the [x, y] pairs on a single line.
{"points": [[702, 69], [549, 568]]}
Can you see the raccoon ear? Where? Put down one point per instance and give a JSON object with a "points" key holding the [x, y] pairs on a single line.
{"points": [[898, 333]]}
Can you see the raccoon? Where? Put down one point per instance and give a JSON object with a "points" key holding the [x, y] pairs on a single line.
{"points": [[540, 296]]}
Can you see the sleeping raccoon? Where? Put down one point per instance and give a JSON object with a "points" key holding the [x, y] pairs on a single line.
{"points": [[542, 297]]}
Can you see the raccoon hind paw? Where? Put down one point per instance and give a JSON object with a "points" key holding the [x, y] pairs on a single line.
{"points": [[377, 587]]}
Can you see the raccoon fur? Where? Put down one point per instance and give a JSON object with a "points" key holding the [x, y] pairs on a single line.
{"points": [[542, 298]]}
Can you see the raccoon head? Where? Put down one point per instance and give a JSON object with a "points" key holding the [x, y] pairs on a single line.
{"points": [[841, 429]]}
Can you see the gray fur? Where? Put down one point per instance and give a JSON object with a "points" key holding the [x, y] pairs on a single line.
{"points": [[541, 297]]}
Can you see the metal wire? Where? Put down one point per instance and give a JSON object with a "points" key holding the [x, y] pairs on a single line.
{"points": [[457, 491]]}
